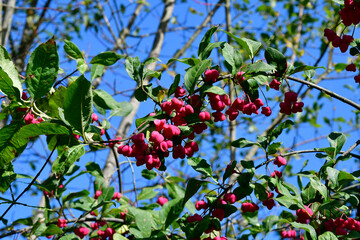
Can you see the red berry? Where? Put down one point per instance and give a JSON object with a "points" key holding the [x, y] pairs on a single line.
{"points": [[351, 68], [218, 213], [180, 92], [230, 198], [275, 84]]}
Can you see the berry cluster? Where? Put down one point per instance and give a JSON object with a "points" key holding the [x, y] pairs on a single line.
{"points": [[269, 202], [303, 215], [291, 234], [275, 84], [341, 226], [30, 119], [341, 42], [290, 104], [249, 207], [280, 161], [216, 212], [350, 14]]}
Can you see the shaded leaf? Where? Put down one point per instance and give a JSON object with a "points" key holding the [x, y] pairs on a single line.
{"points": [[200, 165], [206, 40], [78, 104], [63, 162], [106, 58], [192, 74], [8, 66], [42, 69]]}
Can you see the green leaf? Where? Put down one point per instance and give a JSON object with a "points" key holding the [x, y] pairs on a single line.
{"points": [[337, 141], [7, 176], [200, 165], [272, 149], [174, 212], [107, 194], [84, 204], [269, 222], [151, 73], [78, 104], [188, 61], [52, 229], [192, 186], [277, 59], [261, 79], [97, 70], [143, 220], [63, 162], [14, 138], [233, 59], [249, 165], [7, 86], [333, 175], [241, 192], [148, 193], [74, 195], [118, 236], [345, 177], [206, 40], [9, 67], [106, 58], [243, 143], [259, 66], [70, 236], [319, 186], [131, 67], [229, 170], [192, 75], [306, 227], [150, 60], [174, 85], [122, 109], [211, 89], [250, 46], [288, 202], [260, 192], [275, 133], [148, 174], [305, 68], [104, 99], [308, 194], [72, 50], [42, 69], [327, 236], [207, 51]]}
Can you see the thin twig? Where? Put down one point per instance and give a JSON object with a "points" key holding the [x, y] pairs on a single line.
{"points": [[31, 183], [328, 92], [115, 220]]}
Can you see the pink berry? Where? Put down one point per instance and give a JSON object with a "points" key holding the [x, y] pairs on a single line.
{"points": [[240, 76], [280, 161], [180, 92], [230, 198], [211, 75], [97, 194], [162, 200], [94, 117]]}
